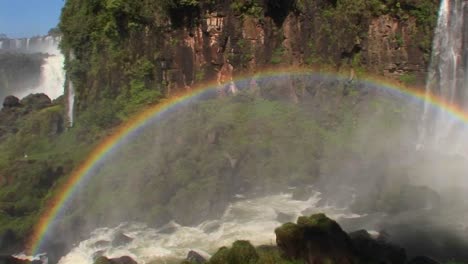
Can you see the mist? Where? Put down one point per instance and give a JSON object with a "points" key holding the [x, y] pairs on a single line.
{"points": [[241, 159], [297, 144]]}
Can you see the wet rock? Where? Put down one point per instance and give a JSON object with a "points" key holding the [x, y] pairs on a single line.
{"points": [[11, 101], [121, 239], [316, 239], [377, 250], [121, 260], [194, 257]]}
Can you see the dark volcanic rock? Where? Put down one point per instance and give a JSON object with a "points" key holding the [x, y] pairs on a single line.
{"points": [[377, 250], [11, 101], [316, 239], [194, 257]]}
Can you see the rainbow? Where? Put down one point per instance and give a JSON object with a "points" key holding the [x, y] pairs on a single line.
{"points": [[84, 171]]}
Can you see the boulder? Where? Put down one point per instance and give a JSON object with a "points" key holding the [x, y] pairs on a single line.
{"points": [[121, 239], [376, 250], [241, 252], [194, 257], [36, 101], [11, 101], [121, 260], [315, 240]]}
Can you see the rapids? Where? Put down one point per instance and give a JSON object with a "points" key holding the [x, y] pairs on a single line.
{"points": [[251, 219]]}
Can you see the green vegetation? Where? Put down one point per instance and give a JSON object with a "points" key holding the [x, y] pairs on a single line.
{"points": [[344, 23], [33, 161], [242, 252], [277, 56], [408, 79], [252, 8]]}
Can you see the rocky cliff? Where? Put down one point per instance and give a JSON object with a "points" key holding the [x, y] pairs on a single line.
{"points": [[162, 46]]}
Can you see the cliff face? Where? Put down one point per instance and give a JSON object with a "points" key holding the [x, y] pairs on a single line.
{"points": [[122, 47]]}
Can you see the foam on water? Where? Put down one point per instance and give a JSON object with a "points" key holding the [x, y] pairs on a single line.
{"points": [[254, 220]]}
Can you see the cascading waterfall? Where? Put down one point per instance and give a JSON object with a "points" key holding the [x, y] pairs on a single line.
{"points": [[70, 96], [52, 77], [70, 102], [448, 80]]}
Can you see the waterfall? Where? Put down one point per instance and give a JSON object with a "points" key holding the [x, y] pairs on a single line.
{"points": [[70, 96], [52, 74], [70, 102], [448, 80], [52, 78]]}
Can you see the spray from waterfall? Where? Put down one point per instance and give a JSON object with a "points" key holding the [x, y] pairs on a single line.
{"points": [[447, 79]]}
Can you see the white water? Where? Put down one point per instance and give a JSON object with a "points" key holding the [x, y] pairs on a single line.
{"points": [[52, 78], [70, 97], [254, 220], [70, 102], [448, 79]]}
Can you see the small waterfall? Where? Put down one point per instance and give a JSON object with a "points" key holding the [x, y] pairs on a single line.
{"points": [[70, 102], [70, 96], [447, 79]]}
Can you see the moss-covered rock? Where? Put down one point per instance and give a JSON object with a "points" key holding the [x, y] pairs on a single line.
{"points": [[315, 239], [220, 257], [241, 252]]}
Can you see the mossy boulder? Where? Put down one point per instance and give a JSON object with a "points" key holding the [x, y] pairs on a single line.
{"points": [[241, 252], [36, 101], [220, 257], [315, 239]]}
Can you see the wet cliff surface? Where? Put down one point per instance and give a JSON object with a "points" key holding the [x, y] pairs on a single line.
{"points": [[162, 47]]}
